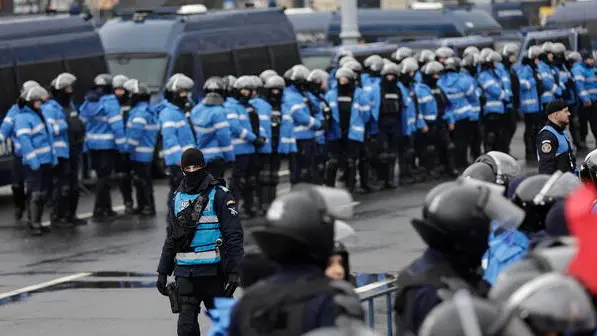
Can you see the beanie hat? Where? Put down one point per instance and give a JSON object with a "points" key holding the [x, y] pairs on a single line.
{"points": [[192, 157], [555, 106]]}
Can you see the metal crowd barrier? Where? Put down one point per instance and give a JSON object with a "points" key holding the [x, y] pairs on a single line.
{"points": [[369, 293]]}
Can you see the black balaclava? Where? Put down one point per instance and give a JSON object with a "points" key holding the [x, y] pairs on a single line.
{"points": [[315, 88], [104, 89], [124, 99], [62, 97], [244, 99], [389, 85], [137, 98], [193, 182], [544, 58], [406, 79], [506, 62], [178, 100], [430, 80], [346, 90], [559, 60], [274, 99]]}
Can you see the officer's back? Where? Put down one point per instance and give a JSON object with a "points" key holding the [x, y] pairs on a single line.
{"points": [[299, 298]]}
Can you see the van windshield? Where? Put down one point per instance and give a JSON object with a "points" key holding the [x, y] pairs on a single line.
{"points": [[317, 62], [147, 68]]}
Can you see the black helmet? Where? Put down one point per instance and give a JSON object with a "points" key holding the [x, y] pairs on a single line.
{"points": [[457, 216], [300, 225], [588, 168], [480, 171], [504, 166], [456, 317]]}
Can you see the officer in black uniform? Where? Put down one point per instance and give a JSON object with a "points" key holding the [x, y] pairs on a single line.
{"points": [[509, 55], [299, 235], [122, 164], [455, 226], [318, 87], [204, 242], [554, 148]]}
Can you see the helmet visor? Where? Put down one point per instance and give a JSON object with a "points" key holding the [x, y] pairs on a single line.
{"points": [[507, 167], [558, 186]]}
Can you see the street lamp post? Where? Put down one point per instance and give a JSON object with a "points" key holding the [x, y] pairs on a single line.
{"points": [[350, 28]]}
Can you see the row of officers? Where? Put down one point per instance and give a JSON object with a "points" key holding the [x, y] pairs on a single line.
{"points": [[360, 118]]}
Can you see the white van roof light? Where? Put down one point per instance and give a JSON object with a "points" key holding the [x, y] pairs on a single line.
{"points": [[192, 9]]}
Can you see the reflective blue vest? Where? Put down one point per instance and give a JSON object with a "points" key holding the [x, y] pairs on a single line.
{"points": [[265, 123], [493, 91], [212, 131], [455, 89], [207, 239], [240, 127], [7, 129], [56, 116], [426, 102], [408, 115], [505, 249], [36, 139], [473, 95], [563, 146], [551, 89], [305, 123], [104, 125], [504, 75], [177, 135], [585, 82], [142, 129], [359, 114], [529, 99], [321, 106]]}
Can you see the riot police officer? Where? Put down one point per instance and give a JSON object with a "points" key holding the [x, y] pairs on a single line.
{"points": [[68, 145], [17, 171], [142, 131], [212, 129], [122, 165], [177, 135], [105, 139], [36, 136], [496, 97], [299, 235], [318, 88], [204, 242], [585, 82], [468, 70], [551, 89], [554, 149], [530, 105], [373, 65], [443, 53], [509, 55], [455, 226]]}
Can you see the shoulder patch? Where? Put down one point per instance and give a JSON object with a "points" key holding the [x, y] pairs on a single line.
{"points": [[546, 147]]}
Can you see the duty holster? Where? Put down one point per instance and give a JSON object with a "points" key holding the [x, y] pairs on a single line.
{"points": [[173, 296]]}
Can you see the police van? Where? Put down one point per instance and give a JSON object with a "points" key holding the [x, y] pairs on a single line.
{"points": [[326, 57], [576, 14], [458, 44], [39, 48], [151, 45], [572, 38]]}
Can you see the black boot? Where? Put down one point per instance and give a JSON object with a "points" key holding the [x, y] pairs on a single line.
{"points": [[388, 171], [331, 169], [18, 196], [406, 176], [126, 189], [36, 213], [451, 162], [364, 176], [351, 176]]}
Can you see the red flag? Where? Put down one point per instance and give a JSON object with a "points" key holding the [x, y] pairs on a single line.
{"points": [[582, 223]]}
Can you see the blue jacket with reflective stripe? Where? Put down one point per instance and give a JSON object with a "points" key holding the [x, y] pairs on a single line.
{"points": [[7, 129], [177, 135], [505, 249], [204, 246], [359, 114], [320, 104], [371, 93], [142, 129], [56, 116], [305, 123], [265, 123], [562, 140], [427, 103], [35, 138], [493, 91], [418, 77], [104, 125], [473, 95], [240, 127], [408, 114], [286, 142], [567, 90], [551, 89], [455, 90], [585, 82], [212, 131], [504, 75], [529, 99]]}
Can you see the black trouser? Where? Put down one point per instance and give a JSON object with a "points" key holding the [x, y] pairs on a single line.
{"points": [[321, 158], [74, 162], [217, 168], [393, 145], [102, 162], [38, 183], [510, 127], [494, 125], [461, 138], [174, 179], [575, 124], [244, 180], [533, 122], [122, 166], [426, 147], [591, 113], [18, 183], [61, 189], [143, 184], [368, 153], [192, 292], [342, 151], [268, 178], [584, 116], [476, 138], [303, 162]]}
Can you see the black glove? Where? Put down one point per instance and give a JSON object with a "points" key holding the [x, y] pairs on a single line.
{"points": [[259, 142], [232, 282], [325, 124], [161, 284]]}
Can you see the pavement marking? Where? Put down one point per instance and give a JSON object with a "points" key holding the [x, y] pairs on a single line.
{"points": [[87, 215], [46, 284]]}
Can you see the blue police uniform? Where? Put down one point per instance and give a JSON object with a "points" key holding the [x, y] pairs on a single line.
{"points": [[567, 85], [265, 123], [305, 112], [240, 127], [505, 248], [473, 96], [495, 119], [494, 92], [359, 115], [17, 171], [554, 150], [56, 116], [529, 99], [551, 89], [419, 77], [504, 76], [7, 129], [585, 82], [323, 109]]}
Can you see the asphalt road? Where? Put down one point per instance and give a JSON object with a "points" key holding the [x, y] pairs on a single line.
{"points": [[100, 279]]}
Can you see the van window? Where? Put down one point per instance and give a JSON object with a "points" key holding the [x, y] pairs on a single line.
{"points": [[217, 64], [85, 68], [9, 89], [252, 61], [147, 68], [184, 65], [286, 56], [563, 40], [43, 72]]}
